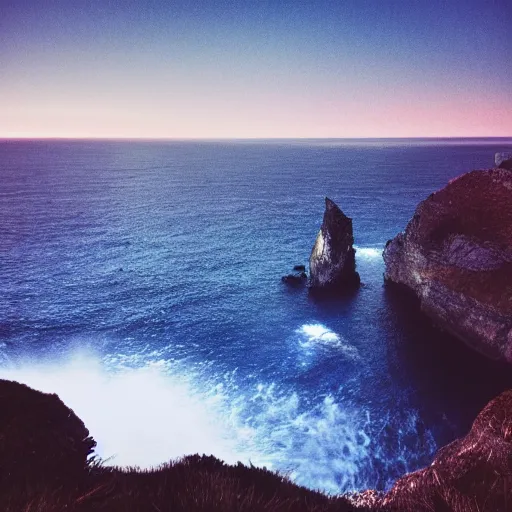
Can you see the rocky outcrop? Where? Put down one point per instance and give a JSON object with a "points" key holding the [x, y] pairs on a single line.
{"points": [[41, 440], [469, 475], [332, 264], [456, 256], [503, 160], [297, 278]]}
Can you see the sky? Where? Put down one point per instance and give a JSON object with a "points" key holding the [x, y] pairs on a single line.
{"points": [[255, 69]]}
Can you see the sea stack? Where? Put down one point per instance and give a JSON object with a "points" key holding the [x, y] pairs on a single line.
{"points": [[332, 264], [456, 256]]}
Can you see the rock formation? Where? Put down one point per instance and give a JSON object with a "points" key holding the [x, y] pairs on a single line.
{"points": [[332, 262], [503, 160], [471, 474], [297, 278], [456, 256], [41, 440], [43, 452]]}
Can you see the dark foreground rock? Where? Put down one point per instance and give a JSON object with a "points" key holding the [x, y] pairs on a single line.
{"points": [[456, 256], [472, 474], [503, 160], [40, 438], [332, 264]]}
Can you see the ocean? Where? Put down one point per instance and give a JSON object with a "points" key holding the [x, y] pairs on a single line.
{"points": [[141, 282]]}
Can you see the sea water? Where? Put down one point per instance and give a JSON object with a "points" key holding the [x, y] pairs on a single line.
{"points": [[141, 281]]}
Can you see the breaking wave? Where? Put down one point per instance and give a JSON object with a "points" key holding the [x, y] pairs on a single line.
{"points": [[147, 410], [369, 253], [313, 335]]}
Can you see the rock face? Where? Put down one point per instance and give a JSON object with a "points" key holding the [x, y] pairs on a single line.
{"points": [[503, 160], [471, 474], [332, 263], [456, 256], [40, 438]]}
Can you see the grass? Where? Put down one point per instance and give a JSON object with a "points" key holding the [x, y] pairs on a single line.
{"points": [[46, 466]]}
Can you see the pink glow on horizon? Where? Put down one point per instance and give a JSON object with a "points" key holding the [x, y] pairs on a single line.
{"points": [[320, 119], [223, 110]]}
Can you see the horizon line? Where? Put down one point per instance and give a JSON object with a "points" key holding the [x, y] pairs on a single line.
{"points": [[180, 139]]}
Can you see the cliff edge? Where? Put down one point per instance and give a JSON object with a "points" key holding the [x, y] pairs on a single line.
{"points": [[45, 467], [455, 255]]}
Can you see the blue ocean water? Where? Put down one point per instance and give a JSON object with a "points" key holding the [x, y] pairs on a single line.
{"points": [[140, 280]]}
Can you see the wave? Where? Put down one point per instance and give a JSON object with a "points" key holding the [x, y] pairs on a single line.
{"points": [[144, 410], [313, 335], [369, 253]]}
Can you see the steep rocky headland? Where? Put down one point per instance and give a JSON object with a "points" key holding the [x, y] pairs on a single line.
{"points": [[455, 255], [332, 264], [44, 467]]}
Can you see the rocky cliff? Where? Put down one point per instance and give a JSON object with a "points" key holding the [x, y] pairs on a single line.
{"points": [[455, 255], [332, 264], [44, 467], [472, 474]]}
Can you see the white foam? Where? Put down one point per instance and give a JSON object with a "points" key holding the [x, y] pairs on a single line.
{"points": [[369, 252], [315, 334], [163, 410], [142, 416], [318, 332], [148, 415]]}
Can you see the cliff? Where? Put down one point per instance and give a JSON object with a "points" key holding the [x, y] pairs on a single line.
{"points": [[455, 255], [44, 467], [472, 474]]}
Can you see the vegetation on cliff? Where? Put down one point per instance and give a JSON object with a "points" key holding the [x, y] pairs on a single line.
{"points": [[46, 466]]}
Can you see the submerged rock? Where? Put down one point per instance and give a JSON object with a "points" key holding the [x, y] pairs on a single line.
{"points": [[456, 256], [471, 474], [332, 262], [503, 160], [297, 278]]}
